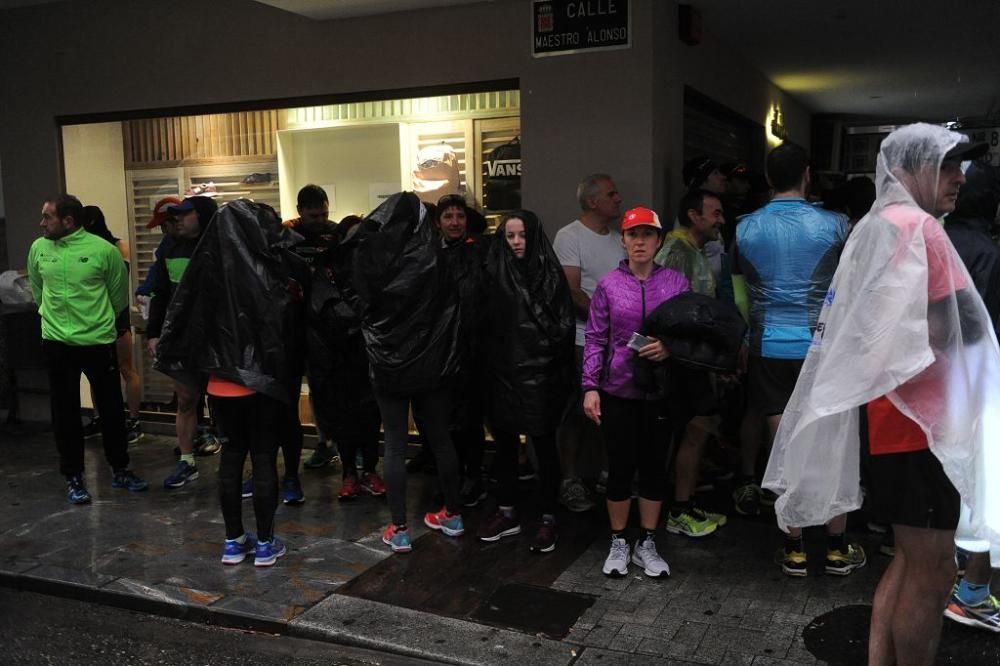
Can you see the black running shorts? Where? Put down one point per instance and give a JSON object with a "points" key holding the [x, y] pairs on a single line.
{"points": [[912, 489], [770, 382]]}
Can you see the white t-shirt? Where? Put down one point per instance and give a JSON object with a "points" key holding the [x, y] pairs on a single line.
{"points": [[595, 255]]}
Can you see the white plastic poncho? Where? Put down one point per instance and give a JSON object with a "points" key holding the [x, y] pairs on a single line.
{"points": [[902, 319]]}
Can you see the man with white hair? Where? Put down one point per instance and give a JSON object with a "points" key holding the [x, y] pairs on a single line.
{"points": [[904, 333]]}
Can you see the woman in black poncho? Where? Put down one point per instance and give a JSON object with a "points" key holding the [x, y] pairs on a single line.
{"points": [[529, 366]]}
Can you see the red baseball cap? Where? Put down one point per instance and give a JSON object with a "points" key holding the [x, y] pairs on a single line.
{"points": [[641, 217], [160, 212]]}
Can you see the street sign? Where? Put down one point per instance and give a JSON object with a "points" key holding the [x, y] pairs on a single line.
{"points": [[561, 27], [991, 135]]}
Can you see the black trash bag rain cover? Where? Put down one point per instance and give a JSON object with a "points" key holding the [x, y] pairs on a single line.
{"points": [[699, 331], [238, 312], [409, 309]]}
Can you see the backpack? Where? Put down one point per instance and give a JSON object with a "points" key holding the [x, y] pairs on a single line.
{"points": [[502, 177]]}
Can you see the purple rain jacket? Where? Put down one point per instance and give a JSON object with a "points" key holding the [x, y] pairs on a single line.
{"points": [[617, 309]]}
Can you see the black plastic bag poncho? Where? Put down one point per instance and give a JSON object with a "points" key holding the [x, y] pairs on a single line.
{"points": [[410, 316], [338, 365], [238, 312], [530, 329], [699, 331]]}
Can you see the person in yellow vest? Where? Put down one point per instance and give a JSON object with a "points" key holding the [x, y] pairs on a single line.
{"points": [[80, 284]]}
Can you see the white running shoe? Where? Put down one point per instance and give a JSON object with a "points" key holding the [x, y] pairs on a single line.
{"points": [[646, 556], [616, 565]]}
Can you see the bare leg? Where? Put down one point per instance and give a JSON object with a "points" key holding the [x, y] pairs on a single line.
{"points": [[977, 569], [130, 375], [750, 441], [618, 514], [187, 417], [923, 592], [881, 651], [688, 459], [649, 513]]}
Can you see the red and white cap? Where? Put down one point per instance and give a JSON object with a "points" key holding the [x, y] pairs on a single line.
{"points": [[160, 212], [641, 217]]}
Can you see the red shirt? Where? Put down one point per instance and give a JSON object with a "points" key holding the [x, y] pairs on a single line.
{"points": [[889, 430]]}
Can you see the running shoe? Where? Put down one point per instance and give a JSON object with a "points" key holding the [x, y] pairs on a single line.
{"points": [[397, 539], [746, 499], [92, 428], [291, 492], [719, 519], [266, 553], [545, 538], [440, 520], [793, 563], [573, 496], [473, 492], [372, 484], [616, 564], [321, 457], [648, 558], [348, 488], [76, 491], [205, 444], [497, 527], [525, 471], [693, 523], [984, 615], [127, 479], [840, 563], [133, 430], [183, 473], [246, 490], [234, 552]]}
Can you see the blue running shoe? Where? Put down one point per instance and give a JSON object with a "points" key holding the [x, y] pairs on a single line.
{"points": [[76, 492], [235, 552], [440, 520], [398, 540], [247, 489], [291, 492], [185, 473], [127, 479], [268, 552]]}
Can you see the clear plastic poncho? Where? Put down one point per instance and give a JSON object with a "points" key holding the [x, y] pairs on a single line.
{"points": [[902, 319]]}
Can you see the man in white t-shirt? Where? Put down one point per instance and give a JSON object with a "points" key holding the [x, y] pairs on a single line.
{"points": [[588, 249]]}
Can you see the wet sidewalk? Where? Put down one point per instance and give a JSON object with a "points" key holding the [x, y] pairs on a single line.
{"points": [[451, 600]]}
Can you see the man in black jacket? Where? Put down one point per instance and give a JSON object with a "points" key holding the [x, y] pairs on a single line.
{"points": [[192, 216]]}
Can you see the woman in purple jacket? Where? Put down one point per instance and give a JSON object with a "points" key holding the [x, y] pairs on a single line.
{"points": [[626, 414]]}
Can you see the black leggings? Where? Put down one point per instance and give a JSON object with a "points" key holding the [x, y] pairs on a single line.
{"points": [[290, 436], [635, 440], [505, 467], [434, 407], [360, 433], [252, 425]]}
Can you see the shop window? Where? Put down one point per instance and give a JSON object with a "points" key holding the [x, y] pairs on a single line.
{"points": [[359, 152]]}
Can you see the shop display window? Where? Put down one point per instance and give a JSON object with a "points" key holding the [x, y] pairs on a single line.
{"points": [[358, 152]]}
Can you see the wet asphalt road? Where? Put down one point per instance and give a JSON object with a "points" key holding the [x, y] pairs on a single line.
{"points": [[40, 629]]}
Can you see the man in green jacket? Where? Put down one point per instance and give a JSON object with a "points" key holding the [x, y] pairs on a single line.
{"points": [[80, 283]]}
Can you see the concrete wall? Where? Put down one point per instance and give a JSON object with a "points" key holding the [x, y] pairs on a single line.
{"points": [[614, 111]]}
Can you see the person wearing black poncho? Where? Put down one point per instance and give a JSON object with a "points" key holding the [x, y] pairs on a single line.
{"points": [[236, 321], [412, 323], [529, 340]]}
